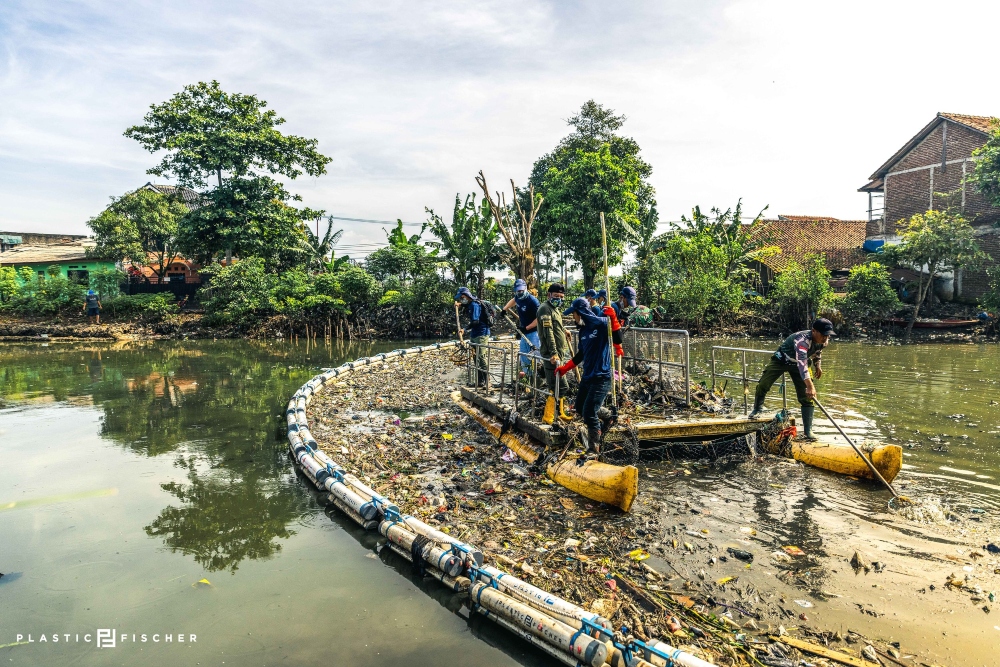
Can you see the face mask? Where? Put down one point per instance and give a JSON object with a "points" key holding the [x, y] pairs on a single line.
{"points": [[519, 294], [556, 301], [464, 301]]}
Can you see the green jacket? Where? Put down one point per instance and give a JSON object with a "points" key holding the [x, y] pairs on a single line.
{"points": [[551, 332]]}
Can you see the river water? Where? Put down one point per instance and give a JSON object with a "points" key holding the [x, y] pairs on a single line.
{"points": [[145, 490]]}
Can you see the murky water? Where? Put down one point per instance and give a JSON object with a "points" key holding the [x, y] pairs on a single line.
{"points": [[145, 489], [939, 402]]}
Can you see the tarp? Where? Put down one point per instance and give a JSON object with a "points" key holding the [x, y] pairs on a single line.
{"points": [[873, 245]]}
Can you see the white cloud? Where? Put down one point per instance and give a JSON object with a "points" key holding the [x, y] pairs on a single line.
{"points": [[783, 103]]}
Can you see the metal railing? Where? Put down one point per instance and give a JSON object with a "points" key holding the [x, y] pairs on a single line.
{"points": [[664, 350], [743, 377]]}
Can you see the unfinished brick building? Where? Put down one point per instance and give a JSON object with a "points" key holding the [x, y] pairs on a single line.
{"points": [[936, 160]]}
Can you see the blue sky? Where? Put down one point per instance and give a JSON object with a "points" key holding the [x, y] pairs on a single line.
{"points": [[787, 104]]}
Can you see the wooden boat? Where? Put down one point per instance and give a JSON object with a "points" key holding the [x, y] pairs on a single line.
{"points": [[611, 484], [953, 323], [841, 458]]}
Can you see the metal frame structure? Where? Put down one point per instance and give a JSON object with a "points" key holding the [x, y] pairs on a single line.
{"points": [[743, 377], [664, 337]]}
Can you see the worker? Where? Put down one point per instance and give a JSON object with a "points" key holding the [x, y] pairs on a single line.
{"points": [[553, 340], [526, 306], [478, 329], [625, 303], [594, 354], [92, 304], [794, 356]]}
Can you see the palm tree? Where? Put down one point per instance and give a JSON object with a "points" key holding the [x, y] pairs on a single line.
{"points": [[318, 249]]}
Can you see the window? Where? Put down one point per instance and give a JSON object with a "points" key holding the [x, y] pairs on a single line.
{"points": [[78, 276]]}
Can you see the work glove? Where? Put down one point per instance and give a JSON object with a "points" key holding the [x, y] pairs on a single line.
{"points": [[566, 368], [619, 352]]}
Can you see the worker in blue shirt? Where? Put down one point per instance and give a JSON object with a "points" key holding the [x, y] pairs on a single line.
{"points": [[594, 354], [525, 305], [478, 329]]}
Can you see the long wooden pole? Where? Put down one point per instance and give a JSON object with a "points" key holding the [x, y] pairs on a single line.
{"points": [[458, 323], [607, 290], [871, 466]]}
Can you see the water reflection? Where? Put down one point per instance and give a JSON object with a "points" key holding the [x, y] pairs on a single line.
{"points": [[216, 407]]}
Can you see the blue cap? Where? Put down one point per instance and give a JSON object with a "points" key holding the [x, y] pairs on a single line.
{"points": [[629, 295], [519, 285], [90, 292], [463, 291], [590, 294], [579, 305], [602, 294]]}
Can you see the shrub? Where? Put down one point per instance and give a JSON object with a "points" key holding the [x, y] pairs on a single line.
{"points": [[31, 294], [801, 291], [237, 295], [107, 282], [147, 306], [869, 294]]}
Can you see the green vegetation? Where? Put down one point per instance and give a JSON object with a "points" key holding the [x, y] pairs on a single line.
{"points": [[268, 269], [870, 296]]}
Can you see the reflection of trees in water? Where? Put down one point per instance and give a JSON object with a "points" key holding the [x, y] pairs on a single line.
{"points": [[219, 406], [225, 518]]}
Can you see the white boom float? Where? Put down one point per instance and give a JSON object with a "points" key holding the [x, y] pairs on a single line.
{"points": [[558, 627]]}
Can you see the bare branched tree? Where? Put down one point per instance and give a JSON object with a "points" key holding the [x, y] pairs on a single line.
{"points": [[515, 227]]}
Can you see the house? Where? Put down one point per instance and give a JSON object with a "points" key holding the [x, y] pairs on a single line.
{"points": [[934, 161], [179, 270], [797, 237], [39, 252]]}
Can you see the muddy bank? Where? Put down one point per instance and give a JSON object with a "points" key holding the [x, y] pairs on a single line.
{"points": [[716, 558]]}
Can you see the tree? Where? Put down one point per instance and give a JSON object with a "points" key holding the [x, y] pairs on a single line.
{"points": [[471, 245], [869, 293], [595, 127], [515, 225], [207, 132], [934, 242], [319, 249], [688, 277], [136, 226], [645, 245], [403, 259], [741, 243], [248, 217], [986, 166], [589, 185], [801, 291]]}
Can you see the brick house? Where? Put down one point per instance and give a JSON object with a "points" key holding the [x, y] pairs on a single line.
{"points": [[935, 160], [839, 242]]}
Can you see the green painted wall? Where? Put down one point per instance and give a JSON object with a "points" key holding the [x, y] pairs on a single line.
{"points": [[65, 267]]}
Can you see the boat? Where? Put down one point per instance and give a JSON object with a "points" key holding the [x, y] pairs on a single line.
{"points": [[950, 323], [603, 482]]}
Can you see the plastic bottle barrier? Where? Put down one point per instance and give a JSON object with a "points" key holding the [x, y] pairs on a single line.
{"points": [[554, 625]]}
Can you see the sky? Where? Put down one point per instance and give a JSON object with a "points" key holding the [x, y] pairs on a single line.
{"points": [[789, 105]]}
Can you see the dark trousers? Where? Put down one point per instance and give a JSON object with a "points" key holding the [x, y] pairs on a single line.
{"points": [[589, 399], [772, 373]]}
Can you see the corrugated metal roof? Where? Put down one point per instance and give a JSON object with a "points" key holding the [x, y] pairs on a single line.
{"points": [[46, 254]]}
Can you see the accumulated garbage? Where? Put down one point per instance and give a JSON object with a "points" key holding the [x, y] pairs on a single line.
{"points": [[648, 574]]}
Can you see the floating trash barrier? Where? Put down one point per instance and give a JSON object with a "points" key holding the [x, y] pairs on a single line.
{"points": [[562, 629]]}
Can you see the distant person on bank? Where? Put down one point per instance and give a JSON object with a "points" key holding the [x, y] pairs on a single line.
{"points": [[794, 356], [92, 304]]}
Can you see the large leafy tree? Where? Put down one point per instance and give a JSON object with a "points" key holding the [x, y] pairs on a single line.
{"points": [[471, 244], [594, 169], [404, 259], [593, 183], [934, 242], [138, 226], [247, 217], [233, 139], [320, 248]]}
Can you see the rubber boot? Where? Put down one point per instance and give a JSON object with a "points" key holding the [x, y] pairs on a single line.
{"points": [[594, 442], [807, 423], [757, 412]]}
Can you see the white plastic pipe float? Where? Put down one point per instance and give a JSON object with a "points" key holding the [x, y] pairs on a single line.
{"points": [[582, 647], [658, 654], [432, 555], [530, 638], [558, 608]]}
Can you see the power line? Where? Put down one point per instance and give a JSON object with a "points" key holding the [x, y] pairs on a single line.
{"points": [[376, 222]]}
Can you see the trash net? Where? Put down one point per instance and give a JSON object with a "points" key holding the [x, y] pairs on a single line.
{"points": [[773, 438]]}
